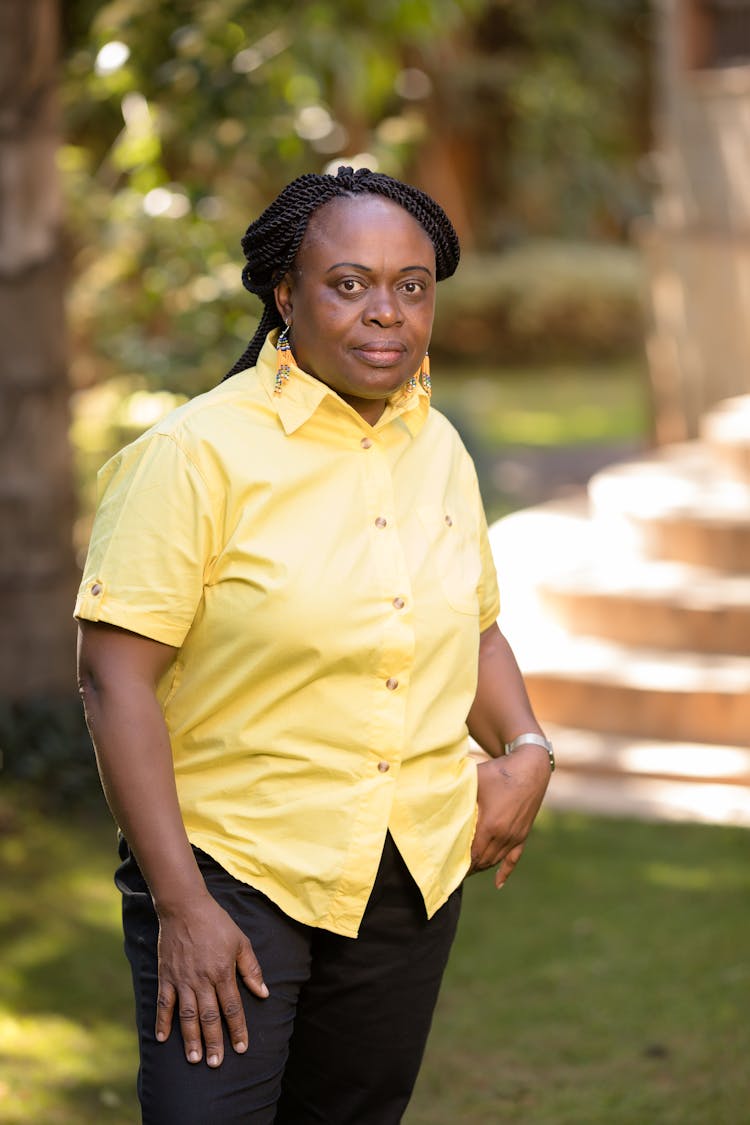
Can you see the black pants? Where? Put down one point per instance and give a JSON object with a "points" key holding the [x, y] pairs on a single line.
{"points": [[340, 1038]]}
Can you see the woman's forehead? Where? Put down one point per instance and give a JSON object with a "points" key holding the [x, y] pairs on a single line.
{"points": [[361, 220]]}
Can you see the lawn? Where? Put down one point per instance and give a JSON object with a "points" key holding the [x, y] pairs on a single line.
{"points": [[608, 982], [536, 431]]}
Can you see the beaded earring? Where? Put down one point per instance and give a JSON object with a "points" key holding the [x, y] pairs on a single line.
{"points": [[283, 358], [424, 374]]}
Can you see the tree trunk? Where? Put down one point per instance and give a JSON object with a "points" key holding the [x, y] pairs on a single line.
{"points": [[37, 568]]}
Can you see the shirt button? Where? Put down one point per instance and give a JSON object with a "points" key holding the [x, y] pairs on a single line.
{"points": [[381, 521], [96, 589], [366, 443], [391, 684], [398, 603], [449, 521], [383, 767]]}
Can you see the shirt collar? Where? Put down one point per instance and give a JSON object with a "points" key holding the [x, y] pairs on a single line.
{"points": [[303, 394]]}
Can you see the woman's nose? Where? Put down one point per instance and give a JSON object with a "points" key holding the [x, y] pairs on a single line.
{"points": [[383, 309]]}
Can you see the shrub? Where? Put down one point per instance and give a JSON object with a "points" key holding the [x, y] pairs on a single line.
{"points": [[45, 743], [542, 301]]}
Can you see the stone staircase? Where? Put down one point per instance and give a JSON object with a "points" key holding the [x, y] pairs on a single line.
{"points": [[628, 608]]}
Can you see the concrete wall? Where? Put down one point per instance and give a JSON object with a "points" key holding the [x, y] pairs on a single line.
{"points": [[698, 246]]}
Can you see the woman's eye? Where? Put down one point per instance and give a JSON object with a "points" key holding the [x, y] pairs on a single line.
{"points": [[350, 285], [411, 287]]}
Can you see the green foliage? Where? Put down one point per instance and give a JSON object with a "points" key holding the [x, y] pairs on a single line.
{"points": [[183, 120], [566, 84], [542, 301], [45, 744]]}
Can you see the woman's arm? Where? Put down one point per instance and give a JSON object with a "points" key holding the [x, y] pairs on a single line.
{"points": [[510, 788], [200, 947]]}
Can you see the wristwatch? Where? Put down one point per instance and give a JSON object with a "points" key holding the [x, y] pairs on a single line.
{"points": [[538, 740]]}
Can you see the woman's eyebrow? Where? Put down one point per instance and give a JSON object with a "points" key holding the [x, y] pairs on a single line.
{"points": [[368, 269]]}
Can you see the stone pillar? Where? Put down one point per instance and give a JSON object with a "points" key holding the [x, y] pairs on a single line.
{"points": [[697, 247]]}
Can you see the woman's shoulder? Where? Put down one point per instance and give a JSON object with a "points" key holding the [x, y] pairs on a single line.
{"points": [[201, 432], [440, 429]]}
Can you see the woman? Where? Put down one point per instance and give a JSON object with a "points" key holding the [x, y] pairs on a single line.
{"points": [[287, 614]]}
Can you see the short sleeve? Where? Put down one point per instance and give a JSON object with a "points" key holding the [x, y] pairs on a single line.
{"points": [[487, 588], [489, 594], [152, 542]]}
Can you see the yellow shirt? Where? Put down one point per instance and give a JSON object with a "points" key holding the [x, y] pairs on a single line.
{"points": [[325, 582]]}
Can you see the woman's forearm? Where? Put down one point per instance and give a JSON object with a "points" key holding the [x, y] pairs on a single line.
{"points": [[501, 708], [134, 758]]}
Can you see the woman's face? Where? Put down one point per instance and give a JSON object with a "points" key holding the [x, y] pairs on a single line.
{"points": [[360, 299]]}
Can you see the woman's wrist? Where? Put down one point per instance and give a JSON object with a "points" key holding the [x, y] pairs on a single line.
{"points": [[532, 738]]}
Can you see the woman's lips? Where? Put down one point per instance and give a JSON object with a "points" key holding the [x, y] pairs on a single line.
{"points": [[384, 354]]}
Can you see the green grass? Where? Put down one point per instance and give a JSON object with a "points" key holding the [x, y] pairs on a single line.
{"points": [[608, 982], [546, 405]]}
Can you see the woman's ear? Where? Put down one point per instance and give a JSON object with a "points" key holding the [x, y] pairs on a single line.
{"points": [[283, 296]]}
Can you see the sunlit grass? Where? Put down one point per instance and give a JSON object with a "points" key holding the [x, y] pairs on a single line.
{"points": [[608, 982], [547, 405], [66, 1046]]}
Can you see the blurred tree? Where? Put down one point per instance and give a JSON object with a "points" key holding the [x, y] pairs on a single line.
{"points": [[36, 496], [539, 115], [183, 120]]}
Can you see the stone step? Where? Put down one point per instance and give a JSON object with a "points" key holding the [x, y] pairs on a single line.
{"points": [[726, 430], [650, 799], [649, 779], [678, 504], [657, 604], [581, 681], [594, 753]]}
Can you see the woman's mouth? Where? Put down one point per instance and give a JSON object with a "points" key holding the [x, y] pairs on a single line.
{"points": [[384, 353]]}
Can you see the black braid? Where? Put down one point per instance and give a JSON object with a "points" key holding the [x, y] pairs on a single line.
{"points": [[272, 241]]}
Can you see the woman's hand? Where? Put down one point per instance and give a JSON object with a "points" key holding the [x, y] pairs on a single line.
{"points": [[510, 787], [200, 947], [509, 792], [201, 950]]}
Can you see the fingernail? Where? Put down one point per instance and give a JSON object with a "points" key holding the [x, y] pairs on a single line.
{"points": [[194, 1056], [160, 1036], [240, 1046], [264, 991], [213, 1060]]}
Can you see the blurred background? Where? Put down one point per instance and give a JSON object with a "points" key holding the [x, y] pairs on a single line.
{"points": [[593, 156]]}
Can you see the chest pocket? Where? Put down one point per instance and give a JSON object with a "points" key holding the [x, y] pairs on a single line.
{"points": [[453, 555]]}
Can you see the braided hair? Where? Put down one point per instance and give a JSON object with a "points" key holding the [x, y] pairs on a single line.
{"points": [[271, 243]]}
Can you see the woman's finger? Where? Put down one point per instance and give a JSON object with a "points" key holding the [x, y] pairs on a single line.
{"points": [[209, 1016], [508, 864], [165, 1002], [190, 1026], [234, 1015]]}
